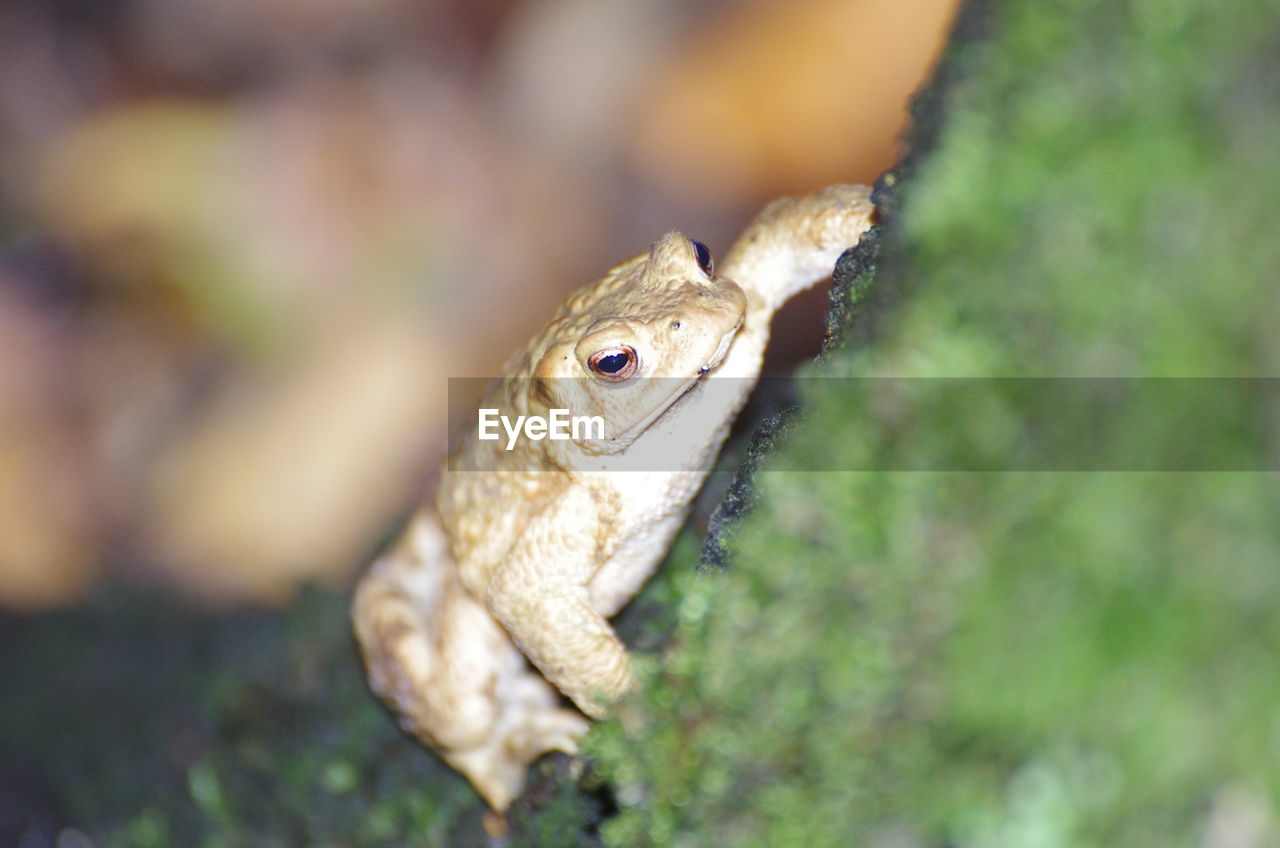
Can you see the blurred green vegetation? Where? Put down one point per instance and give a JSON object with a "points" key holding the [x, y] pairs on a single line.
{"points": [[892, 658], [146, 723]]}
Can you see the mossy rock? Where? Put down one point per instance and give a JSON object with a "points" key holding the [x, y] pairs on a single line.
{"points": [[1012, 657], [888, 657]]}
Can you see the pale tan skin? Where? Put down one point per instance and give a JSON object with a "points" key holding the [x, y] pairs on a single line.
{"points": [[527, 553]]}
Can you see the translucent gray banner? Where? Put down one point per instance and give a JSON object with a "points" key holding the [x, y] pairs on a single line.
{"points": [[876, 424]]}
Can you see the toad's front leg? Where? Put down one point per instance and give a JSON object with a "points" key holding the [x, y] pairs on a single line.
{"points": [[795, 241], [541, 595]]}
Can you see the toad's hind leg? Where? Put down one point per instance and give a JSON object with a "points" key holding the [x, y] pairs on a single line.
{"points": [[450, 671]]}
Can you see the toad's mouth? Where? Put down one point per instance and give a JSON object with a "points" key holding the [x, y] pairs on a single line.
{"points": [[722, 350], [682, 391], [632, 432]]}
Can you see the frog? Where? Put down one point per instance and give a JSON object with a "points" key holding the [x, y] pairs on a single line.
{"points": [[485, 627]]}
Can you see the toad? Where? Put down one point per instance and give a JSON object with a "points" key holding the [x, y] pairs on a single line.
{"points": [[496, 600]]}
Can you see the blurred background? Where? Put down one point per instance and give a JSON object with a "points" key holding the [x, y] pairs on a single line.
{"points": [[244, 244]]}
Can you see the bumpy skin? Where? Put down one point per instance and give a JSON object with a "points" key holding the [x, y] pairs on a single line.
{"points": [[527, 553]]}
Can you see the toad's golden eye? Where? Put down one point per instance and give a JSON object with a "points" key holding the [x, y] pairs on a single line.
{"points": [[700, 253], [614, 364]]}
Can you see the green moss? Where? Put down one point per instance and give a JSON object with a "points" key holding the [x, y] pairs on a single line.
{"points": [[1013, 658], [144, 723]]}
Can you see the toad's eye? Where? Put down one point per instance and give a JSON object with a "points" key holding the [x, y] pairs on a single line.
{"points": [[700, 253], [614, 364]]}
